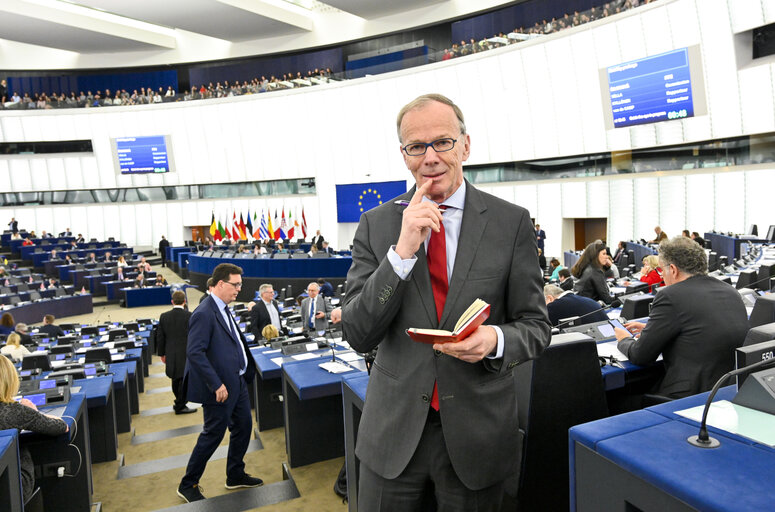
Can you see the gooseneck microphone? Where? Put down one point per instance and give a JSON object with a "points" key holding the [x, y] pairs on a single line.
{"points": [[702, 439]]}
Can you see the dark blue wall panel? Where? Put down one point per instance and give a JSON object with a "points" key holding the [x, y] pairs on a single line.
{"points": [[66, 84]]}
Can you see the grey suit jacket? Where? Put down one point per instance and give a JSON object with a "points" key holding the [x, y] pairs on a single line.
{"points": [[696, 325], [320, 305], [496, 261]]}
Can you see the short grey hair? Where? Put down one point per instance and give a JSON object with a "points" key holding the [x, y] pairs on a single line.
{"points": [[685, 254], [313, 283], [423, 100], [264, 287], [20, 327], [552, 290]]}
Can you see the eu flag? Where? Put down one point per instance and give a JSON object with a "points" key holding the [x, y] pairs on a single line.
{"points": [[352, 200]]}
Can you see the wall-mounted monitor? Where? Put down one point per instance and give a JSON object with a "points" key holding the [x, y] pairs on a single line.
{"points": [[658, 88], [142, 155]]}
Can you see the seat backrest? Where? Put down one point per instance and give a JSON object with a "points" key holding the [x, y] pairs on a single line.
{"points": [[95, 355], [763, 311], [562, 388], [37, 360]]}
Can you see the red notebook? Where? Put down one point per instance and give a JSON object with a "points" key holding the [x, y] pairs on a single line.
{"points": [[473, 317]]}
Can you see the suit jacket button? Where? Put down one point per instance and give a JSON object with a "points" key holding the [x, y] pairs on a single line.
{"points": [[381, 300], [426, 398], [437, 352]]}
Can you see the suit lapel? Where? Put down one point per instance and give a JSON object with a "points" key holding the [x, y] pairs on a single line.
{"points": [[471, 230], [219, 318]]}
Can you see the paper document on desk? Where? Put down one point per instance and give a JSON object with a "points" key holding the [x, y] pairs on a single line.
{"points": [[277, 360], [609, 349], [349, 356], [724, 415], [306, 355], [618, 289], [334, 367]]}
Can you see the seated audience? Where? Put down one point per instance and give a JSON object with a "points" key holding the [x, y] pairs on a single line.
{"points": [[563, 305], [566, 281], [160, 281], [14, 348], [621, 248], [555, 268], [53, 283], [23, 331], [270, 332], [611, 271], [661, 235], [140, 281], [122, 262], [590, 274], [697, 238], [49, 328], [696, 322], [650, 272], [541, 259], [326, 288], [23, 415], [312, 251]]}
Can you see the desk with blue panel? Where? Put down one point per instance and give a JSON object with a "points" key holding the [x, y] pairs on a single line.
{"points": [[59, 307], [102, 417], [647, 464], [10, 467], [278, 272], [149, 296], [353, 396], [16, 245], [29, 252], [640, 252], [570, 258], [68, 494], [113, 289], [729, 246], [314, 424], [121, 390], [172, 256], [24, 296]]}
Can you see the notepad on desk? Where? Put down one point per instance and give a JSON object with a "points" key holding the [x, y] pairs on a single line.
{"points": [[724, 415], [468, 322], [335, 367]]}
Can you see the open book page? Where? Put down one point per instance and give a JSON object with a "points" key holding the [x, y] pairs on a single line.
{"points": [[469, 314]]}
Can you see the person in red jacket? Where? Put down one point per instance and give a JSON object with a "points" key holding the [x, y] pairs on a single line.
{"points": [[651, 273]]}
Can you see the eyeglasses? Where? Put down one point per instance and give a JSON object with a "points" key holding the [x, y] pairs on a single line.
{"points": [[235, 285], [438, 145]]}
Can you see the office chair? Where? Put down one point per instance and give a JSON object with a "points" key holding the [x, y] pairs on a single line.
{"points": [[96, 355], [36, 360], [116, 334], [560, 389], [90, 330], [759, 334], [763, 311], [61, 349]]}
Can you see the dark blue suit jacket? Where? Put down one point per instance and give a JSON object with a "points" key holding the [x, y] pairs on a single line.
{"points": [[575, 305], [212, 356]]}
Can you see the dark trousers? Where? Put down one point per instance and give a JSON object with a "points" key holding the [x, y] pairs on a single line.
{"points": [[179, 390], [163, 258], [235, 414], [429, 477]]}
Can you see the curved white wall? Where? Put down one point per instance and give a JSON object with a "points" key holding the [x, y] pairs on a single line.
{"points": [[539, 99]]}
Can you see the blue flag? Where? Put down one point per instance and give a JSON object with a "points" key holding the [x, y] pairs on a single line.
{"points": [[353, 200]]}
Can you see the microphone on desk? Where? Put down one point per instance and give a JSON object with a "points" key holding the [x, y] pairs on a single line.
{"points": [[330, 344], [615, 304], [702, 439]]}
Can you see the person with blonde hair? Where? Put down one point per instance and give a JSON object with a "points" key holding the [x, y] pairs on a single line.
{"points": [[651, 273], [14, 348], [270, 332], [24, 416]]}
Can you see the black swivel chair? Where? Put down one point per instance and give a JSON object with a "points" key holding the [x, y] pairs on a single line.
{"points": [[763, 311], [560, 389], [36, 360], [90, 330], [61, 349], [765, 332], [117, 334], [96, 355]]}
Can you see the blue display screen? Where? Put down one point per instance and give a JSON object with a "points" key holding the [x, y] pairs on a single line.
{"points": [[59, 357], [90, 371], [140, 155], [39, 399], [47, 384], [87, 343], [25, 373], [649, 90]]}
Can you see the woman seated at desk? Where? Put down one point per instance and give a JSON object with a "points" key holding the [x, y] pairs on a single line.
{"points": [[589, 272], [14, 348], [555, 267], [160, 281], [7, 323], [270, 332], [122, 262], [24, 416], [651, 273]]}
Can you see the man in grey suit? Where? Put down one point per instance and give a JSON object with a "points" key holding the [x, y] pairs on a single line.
{"points": [[696, 322], [441, 417], [314, 309]]}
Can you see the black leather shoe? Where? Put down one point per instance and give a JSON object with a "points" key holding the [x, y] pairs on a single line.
{"points": [[243, 481], [185, 410], [191, 494]]}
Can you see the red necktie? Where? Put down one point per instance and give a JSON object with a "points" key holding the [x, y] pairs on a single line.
{"points": [[437, 264]]}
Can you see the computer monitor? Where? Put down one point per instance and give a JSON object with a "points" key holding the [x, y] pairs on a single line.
{"points": [[766, 273], [763, 312], [771, 233], [749, 354], [753, 229]]}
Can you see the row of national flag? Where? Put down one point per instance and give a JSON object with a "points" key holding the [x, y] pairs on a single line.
{"points": [[259, 227]]}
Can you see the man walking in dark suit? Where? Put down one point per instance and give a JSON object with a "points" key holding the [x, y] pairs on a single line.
{"points": [[219, 371], [265, 312], [540, 237], [172, 338], [441, 417], [163, 244], [696, 322], [314, 309]]}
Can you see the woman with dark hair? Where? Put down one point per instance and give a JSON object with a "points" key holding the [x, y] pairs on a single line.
{"points": [[24, 416], [589, 270], [555, 268], [6, 323]]}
